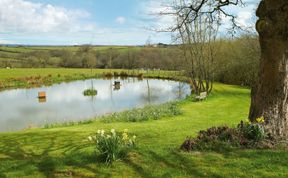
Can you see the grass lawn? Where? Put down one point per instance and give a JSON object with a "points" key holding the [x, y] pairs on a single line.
{"points": [[64, 151]]}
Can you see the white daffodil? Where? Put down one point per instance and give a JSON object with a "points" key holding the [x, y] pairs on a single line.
{"points": [[102, 132], [90, 138]]}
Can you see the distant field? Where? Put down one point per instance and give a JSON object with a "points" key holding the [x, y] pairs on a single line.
{"points": [[29, 56], [17, 73], [14, 50]]}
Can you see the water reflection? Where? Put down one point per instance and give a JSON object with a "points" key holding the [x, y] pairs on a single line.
{"points": [[42, 100], [117, 85], [65, 102]]}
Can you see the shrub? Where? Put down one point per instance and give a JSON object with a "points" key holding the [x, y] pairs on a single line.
{"points": [[112, 145], [108, 75], [140, 76], [124, 74], [253, 131], [90, 92], [215, 138], [246, 135]]}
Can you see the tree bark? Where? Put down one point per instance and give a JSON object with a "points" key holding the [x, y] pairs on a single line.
{"points": [[270, 96]]}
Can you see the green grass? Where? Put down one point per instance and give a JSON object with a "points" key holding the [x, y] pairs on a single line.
{"points": [[90, 92], [24, 56], [64, 151], [21, 77]]}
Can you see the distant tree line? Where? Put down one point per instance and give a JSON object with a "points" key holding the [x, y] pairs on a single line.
{"points": [[235, 61]]}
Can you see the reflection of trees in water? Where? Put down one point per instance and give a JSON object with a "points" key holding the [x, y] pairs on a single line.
{"points": [[111, 93], [179, 91], [92, 98], [130, 80], [151, 94]]}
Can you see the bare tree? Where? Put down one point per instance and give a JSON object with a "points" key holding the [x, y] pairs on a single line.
{"points": [[197, 37]]}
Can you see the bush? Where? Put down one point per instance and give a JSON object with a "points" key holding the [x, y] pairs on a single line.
{"points": [[112, 146], [140, 76], [215, 138], [124, 74], [253, 131], [246, 135], [90, 92], [108, 75]]}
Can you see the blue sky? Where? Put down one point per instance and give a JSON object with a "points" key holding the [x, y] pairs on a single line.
{"points": [[103, 22]]}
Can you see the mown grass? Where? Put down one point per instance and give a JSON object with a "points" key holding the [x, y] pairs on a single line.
{"points": [[64, 151]]}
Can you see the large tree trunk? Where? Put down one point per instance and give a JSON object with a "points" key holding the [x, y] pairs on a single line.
{"points": [[270, 96]]}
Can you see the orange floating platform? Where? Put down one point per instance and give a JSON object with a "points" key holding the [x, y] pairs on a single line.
{"points": [[42, 94]]}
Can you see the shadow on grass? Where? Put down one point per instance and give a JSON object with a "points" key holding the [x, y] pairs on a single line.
{"points": [[47, 154], [176, 163], [61, 154], [161, 165]]}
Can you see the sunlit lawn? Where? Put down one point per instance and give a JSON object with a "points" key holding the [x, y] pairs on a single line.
{"points": [[64, 151]]}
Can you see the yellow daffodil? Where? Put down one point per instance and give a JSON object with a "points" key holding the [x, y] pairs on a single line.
{"points": [[124, 136], [260, 120]]}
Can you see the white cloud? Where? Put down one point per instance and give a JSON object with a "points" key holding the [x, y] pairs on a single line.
{"points": [[152, 11], [120, 20], [244, 18], [5, 42], [26, 16]]}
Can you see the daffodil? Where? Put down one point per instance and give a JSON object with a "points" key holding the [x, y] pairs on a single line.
{"points": [[124, 136], [260, 120], [102, 132]]}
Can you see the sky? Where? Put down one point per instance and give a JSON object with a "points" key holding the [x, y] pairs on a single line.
{"points": [[98, 22]]}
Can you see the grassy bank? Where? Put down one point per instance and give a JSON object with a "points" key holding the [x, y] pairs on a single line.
{"points": [[64, 151], [19, 78]]}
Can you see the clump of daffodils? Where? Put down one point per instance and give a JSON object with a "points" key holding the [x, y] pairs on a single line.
{"points": [[112, 145], [253, 130], [260, 120]]}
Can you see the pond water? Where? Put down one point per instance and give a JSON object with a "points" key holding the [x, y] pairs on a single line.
{"points": [[21, 108]]}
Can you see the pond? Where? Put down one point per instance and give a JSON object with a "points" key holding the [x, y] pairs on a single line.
{"points": [[65, 102]]}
